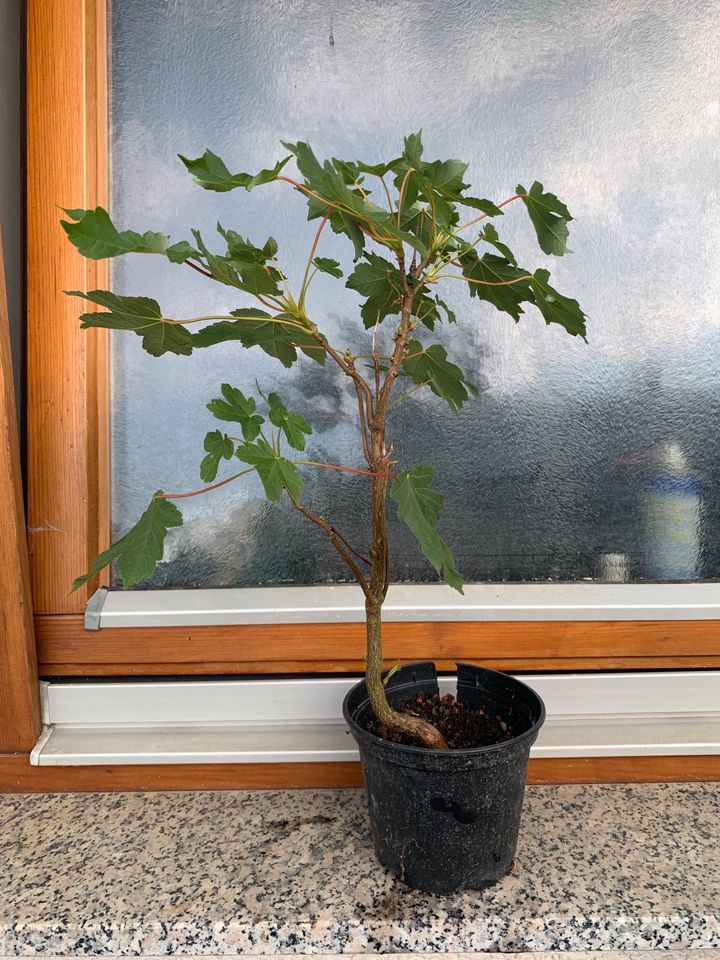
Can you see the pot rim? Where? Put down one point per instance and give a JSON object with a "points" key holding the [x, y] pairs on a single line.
{"points": [[531, 732]]}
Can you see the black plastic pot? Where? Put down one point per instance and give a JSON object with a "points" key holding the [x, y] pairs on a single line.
{"points": [[447, 820]]}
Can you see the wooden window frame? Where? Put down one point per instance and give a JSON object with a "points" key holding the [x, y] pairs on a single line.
{"points": [[19, 691], [68, 444]]}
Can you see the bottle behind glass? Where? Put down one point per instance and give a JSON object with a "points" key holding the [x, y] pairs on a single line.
{"points": [[671, 506]]}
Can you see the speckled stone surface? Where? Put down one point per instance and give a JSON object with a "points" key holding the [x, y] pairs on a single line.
{"points": [[630, 867]]}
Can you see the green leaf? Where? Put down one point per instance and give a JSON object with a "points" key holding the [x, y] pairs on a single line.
{"points": [[245, 268], [237, 408], [391, 673], [271, 248], [431, 366], [419, 507], [260, 278], [256, 333], [498, 281], [326, 265], [439, 183], [180, 252], [451, 318], [244, 250], [96, 237], [446, 176], [555, 307], [425, 308], [490, 235], [141, 549], [428, 309], [484, 206], [275, 472], [549, 216], [375, 169], [307, 163], [222, 269], [257, 328], [418, 220], [379, 281], [348, 207], [211, 173], [141, 315], [219, 447], [292, 424], [413, 149], [340, 223]]}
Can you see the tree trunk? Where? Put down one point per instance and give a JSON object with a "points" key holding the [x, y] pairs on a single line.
{"points": [[402, 722], [378, 584]]}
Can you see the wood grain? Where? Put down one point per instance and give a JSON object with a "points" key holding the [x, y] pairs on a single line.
{"points": [[65, 648], [331, 667], [67, 412], [17, 776], [19, 697]]}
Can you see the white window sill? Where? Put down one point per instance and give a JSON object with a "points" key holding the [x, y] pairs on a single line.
{"points": [[273, 721], [343, 603]]}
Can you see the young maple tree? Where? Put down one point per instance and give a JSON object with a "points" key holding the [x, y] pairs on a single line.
{"points": [[412, 210]]}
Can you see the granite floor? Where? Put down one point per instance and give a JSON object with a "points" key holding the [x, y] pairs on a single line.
{"points": [[599, 867], [708, 954]]}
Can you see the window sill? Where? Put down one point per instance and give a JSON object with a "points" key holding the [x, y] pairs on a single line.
{"points": [[343, 603], [275, 721]]}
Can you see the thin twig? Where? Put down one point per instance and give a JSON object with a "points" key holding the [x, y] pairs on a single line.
{"points": [[387, 194], [402, 194], [274, 305], [484, 216], [483, 283], [335, 206], [213, 486], [374, 355], [205, 273], [314, 247], [336, 466], [346, 365], [231, 317], [408, 393]]}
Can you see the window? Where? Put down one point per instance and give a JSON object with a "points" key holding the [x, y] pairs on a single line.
{"points": [[517, 424], [573, 450]]}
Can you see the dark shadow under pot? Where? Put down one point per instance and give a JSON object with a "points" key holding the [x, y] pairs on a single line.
{"points": [[447, 820]]}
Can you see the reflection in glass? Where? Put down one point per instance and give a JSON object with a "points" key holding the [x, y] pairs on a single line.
{"points": [[572, 451]]}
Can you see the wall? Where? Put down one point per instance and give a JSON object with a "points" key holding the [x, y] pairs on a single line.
{"points": [[11, 157]]}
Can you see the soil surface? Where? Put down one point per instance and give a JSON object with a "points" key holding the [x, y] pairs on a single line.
{"points": [[461, 726]]}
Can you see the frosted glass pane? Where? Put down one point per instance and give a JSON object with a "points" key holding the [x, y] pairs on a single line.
{"points": [[615, 106]]}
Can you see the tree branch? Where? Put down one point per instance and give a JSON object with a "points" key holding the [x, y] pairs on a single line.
{"points": [[339, 542], [363, 424]]}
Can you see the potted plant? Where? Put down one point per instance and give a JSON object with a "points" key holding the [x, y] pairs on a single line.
{"points": [[445, 778]]}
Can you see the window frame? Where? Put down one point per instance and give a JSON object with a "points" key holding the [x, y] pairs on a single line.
{"points": [[68, 430]]}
